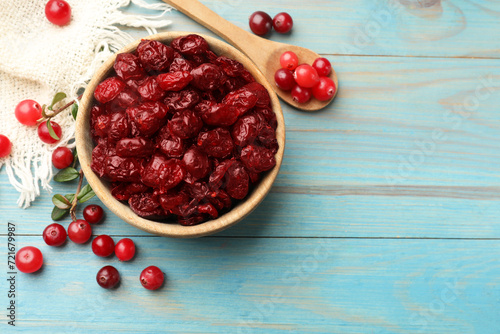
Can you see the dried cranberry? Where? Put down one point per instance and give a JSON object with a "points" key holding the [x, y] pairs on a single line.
{"points": [[216, 143], [196, 162], [190, 45], [191, 220], [243, 99], [123, 191], [144, 205], [148, 117], [150, 90], [208, 208], [155, 55], [245, 130], [109, 89], [207, 77], [185, 99], [174, 81], [185, 124], [220, 115], [123, 169], [221, 201], [119, 126], [257, 159], [171, 201], [127, 98], [101, 126], [237, 181], [169, 144], [163, 173], [216, 179], [267, 137], [98, 164], [269, 115], [134, 147], [263, 98], [127, 66], [180, 65]]}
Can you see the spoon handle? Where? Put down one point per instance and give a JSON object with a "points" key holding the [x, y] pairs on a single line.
{"points": [[239, 38]]}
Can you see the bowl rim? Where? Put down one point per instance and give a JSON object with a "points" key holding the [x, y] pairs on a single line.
{"points": [[84, 146]]}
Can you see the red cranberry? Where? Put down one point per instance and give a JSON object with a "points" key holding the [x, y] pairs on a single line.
{"points": [[125, 249], [325, 89], [289, 60], [261, 23], [62, 157], [127, 66], [301, 94], [306, 76], [28, 112], [29, 259], [109, 89], [5, 146], [103, 246], [152, 278], [282, 23], [284, 79], [54, 235], [44, 135], [154, 55], [108, 277], [322, 66], [58, 12], [79, 231], [93, 213]]}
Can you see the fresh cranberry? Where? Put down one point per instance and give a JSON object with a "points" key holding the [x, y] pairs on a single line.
{"points": [[44, 135], [261, 23], [54, 235], [28, 112], [79, 231], [93, 213], [289, 60], [108, 277], [152, 278], [103, 246], [301, 94], [29, 259], [322, 66], [62, 157], [5, 146], [125, 249], [282, 23], [58, 12], [306, 76], [284, 79], [325, 89]]}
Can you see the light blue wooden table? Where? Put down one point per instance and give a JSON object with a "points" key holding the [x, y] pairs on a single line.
{"points": [[384, 218]]}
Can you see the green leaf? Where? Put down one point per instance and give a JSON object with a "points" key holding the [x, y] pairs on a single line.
{"points": [[61, 202], [75, 157], [74, 110], [51, 131], [85, 194], [58, 214], [70, 197], [66, 174], [57, 98]]}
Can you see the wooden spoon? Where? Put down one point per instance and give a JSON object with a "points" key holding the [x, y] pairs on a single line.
{"points": [[264, 53]]}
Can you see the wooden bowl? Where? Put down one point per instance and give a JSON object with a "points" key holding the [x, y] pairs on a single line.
{"points": [[85, 145]]}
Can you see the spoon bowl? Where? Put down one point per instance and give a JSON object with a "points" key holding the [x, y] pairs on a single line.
{"points": [[264, 53]]}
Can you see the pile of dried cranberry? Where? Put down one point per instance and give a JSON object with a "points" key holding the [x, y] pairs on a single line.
{"points": [[181, 132]]}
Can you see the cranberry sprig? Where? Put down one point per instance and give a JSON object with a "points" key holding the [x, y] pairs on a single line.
{"points": [[67, 203]]}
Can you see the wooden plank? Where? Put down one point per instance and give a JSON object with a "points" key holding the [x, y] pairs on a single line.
{"points": [[254, 285], [434, 28]]}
